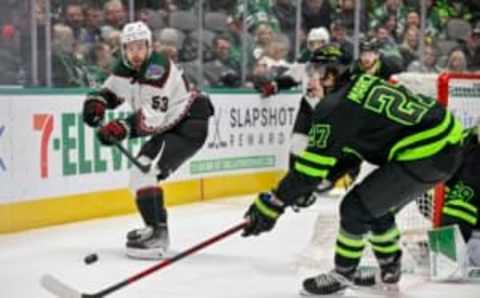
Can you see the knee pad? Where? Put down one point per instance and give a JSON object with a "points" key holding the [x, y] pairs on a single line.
{"points": [[140, 180], [354, 216]]}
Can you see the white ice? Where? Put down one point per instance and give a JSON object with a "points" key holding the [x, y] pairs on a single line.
{"points": [[266, 266]]}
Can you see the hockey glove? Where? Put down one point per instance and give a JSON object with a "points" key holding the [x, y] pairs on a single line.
{"points": [[268, 89], [113, 132], [308, 200], [265, 86], [263, 214], [93, 112]]}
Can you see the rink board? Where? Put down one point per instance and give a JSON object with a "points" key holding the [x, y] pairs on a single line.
{"points": [[53, 170]]}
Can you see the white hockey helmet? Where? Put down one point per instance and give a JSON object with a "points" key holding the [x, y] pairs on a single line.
{"points": [[320, 34], [132, 32]]}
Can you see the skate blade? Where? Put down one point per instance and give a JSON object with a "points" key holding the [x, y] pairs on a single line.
{"points": [[146, 254], [340, 293]]}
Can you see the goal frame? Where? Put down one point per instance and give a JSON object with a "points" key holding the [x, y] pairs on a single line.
{"points": [[443, 87]]}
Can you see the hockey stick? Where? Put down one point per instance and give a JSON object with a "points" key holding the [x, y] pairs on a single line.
{"points": [[62, 290], [144, 168]]}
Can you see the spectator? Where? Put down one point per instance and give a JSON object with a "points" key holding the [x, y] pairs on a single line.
{"points": [[276, 52], [257, 11], [235, 32], [346, 13], [457, 61], [75, 18], [285, 12], [9, 49], [112, 38], [339, 37], [263, 38], [67, 70], [115, 14], [390, 7], [412, 20], [168, 42], [93, 23], [387, 45], [100, 69], [219, 72], [409, 46], [316, 13], [391, 25], [154, 19], [434, 22], [448, 9], [471, 48], [427, 63]]}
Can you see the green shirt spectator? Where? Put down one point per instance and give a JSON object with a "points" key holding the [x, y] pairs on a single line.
{"points": [[447, 9]]}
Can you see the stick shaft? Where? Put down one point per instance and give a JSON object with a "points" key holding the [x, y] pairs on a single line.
{"points": [[171, 260], [131, 158]]}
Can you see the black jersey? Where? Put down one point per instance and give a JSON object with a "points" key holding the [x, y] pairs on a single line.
{"points": [[462, 200], [385, 67], [370, 120]]}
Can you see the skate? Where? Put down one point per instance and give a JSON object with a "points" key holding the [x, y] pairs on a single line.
{"points": [[336, 282], [149, 243], [391, 269], [329, 283]]}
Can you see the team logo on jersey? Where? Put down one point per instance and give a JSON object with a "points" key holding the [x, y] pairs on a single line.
{"points": [[154, 72]]}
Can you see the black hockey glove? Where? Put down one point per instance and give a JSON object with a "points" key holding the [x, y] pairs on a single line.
{"points": [[263, 214], [93, 112], [113, 132], [309, 199]]}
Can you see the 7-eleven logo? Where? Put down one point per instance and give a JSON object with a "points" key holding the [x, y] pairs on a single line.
{"points": [[44, 124]]}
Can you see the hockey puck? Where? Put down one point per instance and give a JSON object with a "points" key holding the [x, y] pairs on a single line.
{"points": [[92, 258]]}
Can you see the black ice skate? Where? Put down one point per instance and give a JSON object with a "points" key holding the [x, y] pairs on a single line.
{"points": [[335, 282], [329, 283], [148, 243], [391, 268]]}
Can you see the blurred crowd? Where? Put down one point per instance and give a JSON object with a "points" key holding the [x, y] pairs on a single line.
{"points": [[236, 40]]}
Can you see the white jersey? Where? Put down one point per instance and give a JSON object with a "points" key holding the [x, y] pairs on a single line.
{"points": [[157, 94]]}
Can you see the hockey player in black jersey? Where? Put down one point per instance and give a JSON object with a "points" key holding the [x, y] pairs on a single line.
{"points": [[373, 62], [462, 201], [415, 142]]}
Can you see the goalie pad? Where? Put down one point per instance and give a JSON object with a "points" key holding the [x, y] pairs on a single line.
{"points": [[447, 254]]}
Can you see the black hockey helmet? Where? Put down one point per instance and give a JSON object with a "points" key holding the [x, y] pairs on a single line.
{"points": [[328, 58]]}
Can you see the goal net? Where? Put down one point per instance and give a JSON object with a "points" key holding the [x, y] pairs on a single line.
{"points": [[461, 94]]}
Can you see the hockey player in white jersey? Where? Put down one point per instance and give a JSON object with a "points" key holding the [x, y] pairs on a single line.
{"points": [[164, 108]]}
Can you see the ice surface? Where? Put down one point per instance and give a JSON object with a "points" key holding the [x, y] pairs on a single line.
{"points": [[266, 266]]}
